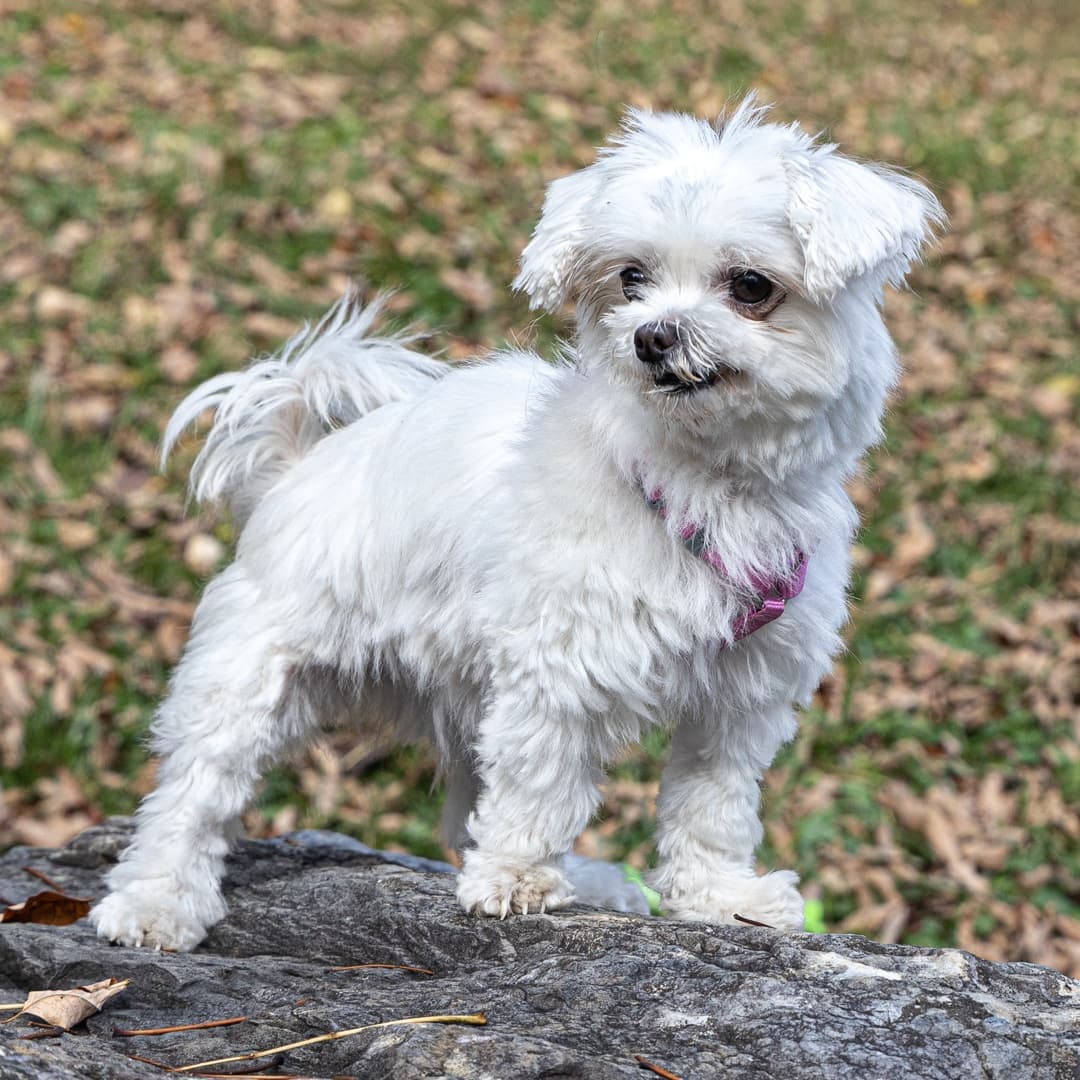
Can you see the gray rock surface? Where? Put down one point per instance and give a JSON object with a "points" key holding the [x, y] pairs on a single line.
{"points": [[577, 994]]}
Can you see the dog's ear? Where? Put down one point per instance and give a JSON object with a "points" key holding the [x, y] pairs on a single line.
{"points": [[551, 263], [854, 220]]}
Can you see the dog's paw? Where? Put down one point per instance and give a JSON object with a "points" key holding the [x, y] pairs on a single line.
{"points": [[772, 899], [147, 915], [500, 885]]}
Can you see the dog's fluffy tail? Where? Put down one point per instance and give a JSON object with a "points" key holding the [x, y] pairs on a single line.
{"points": [[269, 415]]}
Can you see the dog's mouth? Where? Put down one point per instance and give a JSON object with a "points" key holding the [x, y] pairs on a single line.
{"points": [[668, 381]]}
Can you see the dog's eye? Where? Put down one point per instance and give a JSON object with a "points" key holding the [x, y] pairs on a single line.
{"points": [[750, 287], [633, 281]]}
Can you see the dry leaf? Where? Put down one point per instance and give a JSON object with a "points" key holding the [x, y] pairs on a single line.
{"points": [[57, 305], [203, 553], [915, 544], [178, 364], [89, 414], [336, 205], [48, 908], [66, 1008], [7, 573], [76, 535], [15, 698], [471, 286]]}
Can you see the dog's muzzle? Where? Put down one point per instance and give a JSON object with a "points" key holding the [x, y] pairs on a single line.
{"points": [[660, 347], [655, 342]]}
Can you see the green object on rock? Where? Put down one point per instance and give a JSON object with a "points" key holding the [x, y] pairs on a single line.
{"points": [[632, 874], [813, 910], [814, 917]]}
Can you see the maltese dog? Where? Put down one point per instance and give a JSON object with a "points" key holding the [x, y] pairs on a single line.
{"points": [[530, 563]]}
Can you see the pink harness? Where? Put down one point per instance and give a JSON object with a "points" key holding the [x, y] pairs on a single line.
{"points": [[773, 593]]}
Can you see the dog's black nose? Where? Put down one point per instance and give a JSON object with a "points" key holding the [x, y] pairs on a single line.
{"points": [[655, 341]]}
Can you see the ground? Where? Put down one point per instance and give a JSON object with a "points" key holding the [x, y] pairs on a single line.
{"points": [[182, 183], [324, 935]]}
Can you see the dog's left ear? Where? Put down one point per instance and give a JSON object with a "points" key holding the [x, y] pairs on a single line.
{"points": [[551, 263], [854, 220]]}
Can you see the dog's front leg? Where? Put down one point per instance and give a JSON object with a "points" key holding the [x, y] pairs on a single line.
{"points": [[709, 826], [540, 766]]}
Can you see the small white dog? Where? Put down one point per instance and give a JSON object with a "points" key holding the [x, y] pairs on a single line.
{"points": [[529, 563]]}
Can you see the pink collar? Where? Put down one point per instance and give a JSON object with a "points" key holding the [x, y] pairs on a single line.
{"points": [[772, 593]]}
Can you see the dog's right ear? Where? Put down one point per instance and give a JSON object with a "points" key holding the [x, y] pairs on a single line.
{"points": [[852, 219], [553, 260]]}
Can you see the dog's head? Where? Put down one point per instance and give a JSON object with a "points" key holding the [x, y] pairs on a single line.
{"points": [[728, 268]]}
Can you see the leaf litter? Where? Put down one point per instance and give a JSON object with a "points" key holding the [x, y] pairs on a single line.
{"points": [[178, 193]]}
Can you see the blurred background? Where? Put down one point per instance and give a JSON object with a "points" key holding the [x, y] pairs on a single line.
{"points": [[182, 182]]}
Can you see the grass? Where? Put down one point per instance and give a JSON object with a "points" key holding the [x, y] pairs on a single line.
{"points": [[179, 189]]}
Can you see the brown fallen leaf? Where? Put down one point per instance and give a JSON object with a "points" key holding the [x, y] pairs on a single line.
{"points": [[66, 1008], [49, 908], [915, 544]]}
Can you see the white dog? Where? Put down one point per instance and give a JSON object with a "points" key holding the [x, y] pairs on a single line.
{"points": [[530, 564]]}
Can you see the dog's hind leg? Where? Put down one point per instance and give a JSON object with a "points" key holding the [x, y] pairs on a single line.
{"points": [[462, 791], [235, 705]]}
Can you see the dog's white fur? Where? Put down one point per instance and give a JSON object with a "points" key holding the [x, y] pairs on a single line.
{"points": [[466, 554]]}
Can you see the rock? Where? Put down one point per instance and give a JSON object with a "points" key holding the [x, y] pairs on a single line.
{"points": [[577, 994]]}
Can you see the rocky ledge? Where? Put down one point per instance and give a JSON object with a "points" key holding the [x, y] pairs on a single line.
{"points": [[579, 994]]}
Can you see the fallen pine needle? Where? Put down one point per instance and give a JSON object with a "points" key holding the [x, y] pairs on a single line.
{"points": [[50, 1032], [247, 1074], [752, 922], [247, 1071], [645, 1063], [122, 1033], [396, 967], [149, 1061], [473, 1018], [253, 1076], [42, 877]]}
